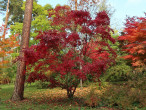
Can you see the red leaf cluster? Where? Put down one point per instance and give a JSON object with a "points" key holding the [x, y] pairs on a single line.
{"points": [[34, 77]]}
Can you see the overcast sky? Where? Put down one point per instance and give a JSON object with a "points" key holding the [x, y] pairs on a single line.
{"points": [[122, 8]]}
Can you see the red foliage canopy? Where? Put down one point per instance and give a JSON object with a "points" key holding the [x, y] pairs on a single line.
{"points": [[79, 48]]}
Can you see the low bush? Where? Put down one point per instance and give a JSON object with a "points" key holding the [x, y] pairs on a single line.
{"points": [[92, 99], [123, 97], [118, 72], [41, 84], [4, 79], [138, 79], [8, 74]]}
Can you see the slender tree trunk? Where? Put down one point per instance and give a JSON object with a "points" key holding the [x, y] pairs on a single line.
{"points": [[76, 4], [6, 23], [81, 83], [20, 77], [6, 20], [5, 27]]}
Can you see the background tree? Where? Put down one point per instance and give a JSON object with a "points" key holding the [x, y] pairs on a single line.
{"points": [[15, 12], [5, 26], [104, 6], [6, 19], [7, 46], [93, 6], [83, 4], [20, 77], [39, 21], [134, 40]]}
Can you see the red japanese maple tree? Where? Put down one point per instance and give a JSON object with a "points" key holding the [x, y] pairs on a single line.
{"points": [[77, 49], [134, 40]]}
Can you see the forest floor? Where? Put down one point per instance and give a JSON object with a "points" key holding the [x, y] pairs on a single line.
{"points": [[52, 99]]}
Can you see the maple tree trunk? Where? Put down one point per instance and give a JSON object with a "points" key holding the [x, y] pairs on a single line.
{"points": [[81, 83], [70, 93], [20, 76]]}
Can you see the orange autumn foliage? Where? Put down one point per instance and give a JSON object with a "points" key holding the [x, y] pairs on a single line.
{"points": [[134, 40], [7, 46]]}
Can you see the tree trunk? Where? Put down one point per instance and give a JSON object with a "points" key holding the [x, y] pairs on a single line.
{"points": [[76, 7], [20, 76], [76, 4], [5, 27], [6, 20], [70, 93], [81, 84]]}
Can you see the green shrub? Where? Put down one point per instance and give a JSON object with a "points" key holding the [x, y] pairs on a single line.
{"points": [[4, 78], [10, 73], [138, 79], [118, 72], [123, 97], [41, 84]]}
